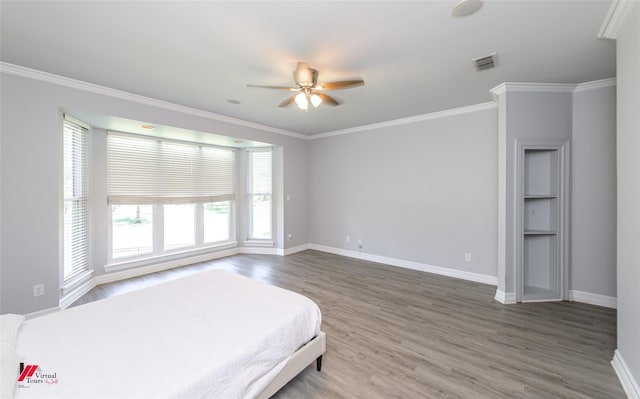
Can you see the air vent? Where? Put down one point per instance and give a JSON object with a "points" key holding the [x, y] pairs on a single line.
{"points": [[484, 63]]}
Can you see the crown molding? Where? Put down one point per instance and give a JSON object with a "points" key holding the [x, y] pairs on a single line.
{"points": [[614, 20], [123, 95], [596, 84], [549, 87], [409, 120], [531, 88]]}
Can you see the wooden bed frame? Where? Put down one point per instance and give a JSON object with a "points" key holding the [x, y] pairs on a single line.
{"points": [[302, 358]]}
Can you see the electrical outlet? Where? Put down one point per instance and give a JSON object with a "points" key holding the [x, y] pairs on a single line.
{"points": [[467, 257], [359, 243], [38, 290], [289, 237], [348, 239]]}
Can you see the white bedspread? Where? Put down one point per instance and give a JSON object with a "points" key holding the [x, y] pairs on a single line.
{"points": [[210, 335]]}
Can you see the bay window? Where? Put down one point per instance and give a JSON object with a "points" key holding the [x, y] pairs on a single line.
{"points": [[167, 196]]}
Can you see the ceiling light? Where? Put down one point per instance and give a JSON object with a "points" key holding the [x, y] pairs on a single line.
{"points": [[302, 101], [233, 101], [146, 127], [316, 100], [466, 7]]}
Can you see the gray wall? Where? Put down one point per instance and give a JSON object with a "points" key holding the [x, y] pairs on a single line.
{"points": [[424, 192], [30, 154], [593, 226], [628, 118]]}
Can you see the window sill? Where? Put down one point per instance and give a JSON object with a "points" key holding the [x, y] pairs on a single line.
{"points": [[149, 260]]}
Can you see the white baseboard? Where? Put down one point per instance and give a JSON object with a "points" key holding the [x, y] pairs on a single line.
{"points": [[593, 299], [139, 271], [506, 298], [43, 312], [79, 291], [293, 250], [259, 250], [629, 383], [577, 296], [444, 271]]}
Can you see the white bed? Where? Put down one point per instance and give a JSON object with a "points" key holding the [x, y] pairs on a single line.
{"points": [[210, 335]]}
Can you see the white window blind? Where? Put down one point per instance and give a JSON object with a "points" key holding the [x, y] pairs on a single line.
{"points": [[260, 190], [76, 232], [261, 172], [147, 170]]}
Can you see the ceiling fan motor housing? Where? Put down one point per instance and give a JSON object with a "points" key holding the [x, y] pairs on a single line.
{"points": [[305, 76]]}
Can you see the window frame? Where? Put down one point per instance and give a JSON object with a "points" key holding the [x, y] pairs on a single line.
{"points": [[250, 240], [80, 276]]}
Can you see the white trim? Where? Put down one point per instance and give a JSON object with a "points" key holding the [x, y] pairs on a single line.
{"points": [[408, 120], [629, 384], [596, 84], [506, 298], [191, 253], [531, 87], [549, 87], [293, 250], [593, 299], [618, 11], [258, 243], [71, 296], [123, 95], [259, 250], [43, 312], [443, 271], [157, 267]]}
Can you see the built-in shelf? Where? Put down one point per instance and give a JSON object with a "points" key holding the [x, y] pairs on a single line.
{"points": [[540, 232], [540, 196], [540, 265]]}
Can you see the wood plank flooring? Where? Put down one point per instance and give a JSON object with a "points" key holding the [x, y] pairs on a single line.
{"points": [[397, 333]]}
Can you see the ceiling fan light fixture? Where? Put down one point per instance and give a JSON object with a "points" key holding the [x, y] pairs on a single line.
{"points": [[302, 101], [316, 100], [306, 79]]}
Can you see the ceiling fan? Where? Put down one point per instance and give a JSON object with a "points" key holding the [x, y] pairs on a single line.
{"points": [[309, 90]]}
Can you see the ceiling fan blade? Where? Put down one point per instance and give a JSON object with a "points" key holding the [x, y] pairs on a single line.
{"points": [[328, 99], [343, 84], [288, 101], [273, 87]]}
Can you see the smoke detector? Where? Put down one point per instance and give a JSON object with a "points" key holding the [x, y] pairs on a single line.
{"points": [[484, 63], [464, 8]]}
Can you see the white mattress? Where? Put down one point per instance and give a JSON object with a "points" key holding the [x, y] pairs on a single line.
{"points": [[211, 335]]}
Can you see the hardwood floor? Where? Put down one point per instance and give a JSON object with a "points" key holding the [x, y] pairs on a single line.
{"points": [[397, 333]]}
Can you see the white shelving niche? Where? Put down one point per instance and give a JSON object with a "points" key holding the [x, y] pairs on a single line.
{"points": [[541, 250]]}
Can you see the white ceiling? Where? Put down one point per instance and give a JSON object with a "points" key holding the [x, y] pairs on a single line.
{"points": [[414, 56]]}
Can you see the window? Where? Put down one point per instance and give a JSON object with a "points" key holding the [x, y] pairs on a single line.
{"points": [[179, 226], [259, 194], [76, 189], [217, 221], [132, 227], [167, 196]]}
